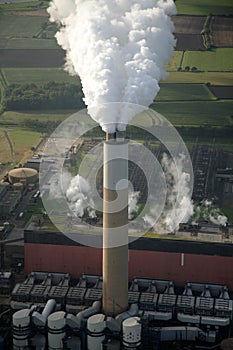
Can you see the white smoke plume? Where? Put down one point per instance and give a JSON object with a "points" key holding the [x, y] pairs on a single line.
{"points": [[118, 48], [133, 204], [59, 185], [207, 211], [179, 206], [78, 197]]}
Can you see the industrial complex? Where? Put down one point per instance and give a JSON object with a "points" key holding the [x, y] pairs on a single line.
{"points": [[177, 288], [120, 267]]}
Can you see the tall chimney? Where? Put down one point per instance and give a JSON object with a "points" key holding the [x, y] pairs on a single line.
{"points": [[115, 225]]}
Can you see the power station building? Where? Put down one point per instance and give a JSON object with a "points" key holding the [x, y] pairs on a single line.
{"points": [[170, 259]]}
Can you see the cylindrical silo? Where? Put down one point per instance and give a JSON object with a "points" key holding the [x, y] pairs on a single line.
{"points": [[21, 329], [115, 226], [95, 329], [56, 330], [132, 333]]}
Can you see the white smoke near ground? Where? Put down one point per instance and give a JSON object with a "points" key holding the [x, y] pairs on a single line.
{"points": [[179, 206], [118, 48], [77, 192], [207, 211], [59, 185], [133, 206], [78, 197]]}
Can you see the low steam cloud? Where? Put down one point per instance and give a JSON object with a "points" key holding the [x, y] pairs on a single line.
{"points": [[207, 211], [179, 206]]}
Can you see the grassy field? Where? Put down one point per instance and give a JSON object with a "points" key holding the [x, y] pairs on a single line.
{"points": [[183, 92], [174, 63], [41, 75], [204, 7], [22, 141], [215, 78], [28, 43], [37, 75], [23, 6], [196, 113], [19, 118], [14, 26], [215, 60], [26, 32]]}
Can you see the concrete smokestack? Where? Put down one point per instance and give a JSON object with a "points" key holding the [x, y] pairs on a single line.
{"points": [[115, 225]]}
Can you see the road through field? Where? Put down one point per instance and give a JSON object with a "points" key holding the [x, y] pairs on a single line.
{"points": [[10, 144]]}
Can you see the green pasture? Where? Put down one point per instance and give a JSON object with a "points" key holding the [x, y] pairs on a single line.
{"points": [[23, 141], [23, 6], [26, 32], [182, 92], [37, 75], [196, 113], [43, 75], [14, 26], [214, 60], [28, 43], [174, 63], [25, 138], [215, 78], [204, 7], [15, 119]]}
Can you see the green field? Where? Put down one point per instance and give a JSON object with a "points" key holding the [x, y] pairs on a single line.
{"points": [[41, 75], [23, 6], [28, 43], [215, 78], [184, 92], [37, 75], [14, 26], [26, 32], [204, 7], [22, 141], [174, 63], [19, 118], [215, 60], [196, 113]]}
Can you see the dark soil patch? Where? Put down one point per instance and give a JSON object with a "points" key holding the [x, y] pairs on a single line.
{"points": [[222, 92], [32, 58], [222, 31], [188, 24], [191, 42]]}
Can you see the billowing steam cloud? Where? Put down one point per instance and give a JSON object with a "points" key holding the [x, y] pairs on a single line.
{"points": [[179, 206], [78, 196], [133, 203], [118, 48], [207, 211]]}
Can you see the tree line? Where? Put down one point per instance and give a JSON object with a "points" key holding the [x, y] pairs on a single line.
{"points": [[51, 95]]}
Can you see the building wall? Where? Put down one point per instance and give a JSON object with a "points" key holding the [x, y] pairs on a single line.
{"points": [[142, 263]]}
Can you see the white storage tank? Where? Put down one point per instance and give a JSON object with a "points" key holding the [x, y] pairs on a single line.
{"points": [[56, 330], [95, 329], [21, 329], [132, 329]]}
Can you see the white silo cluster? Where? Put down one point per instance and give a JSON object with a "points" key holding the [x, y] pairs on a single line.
{"points": [[88, 330]]}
